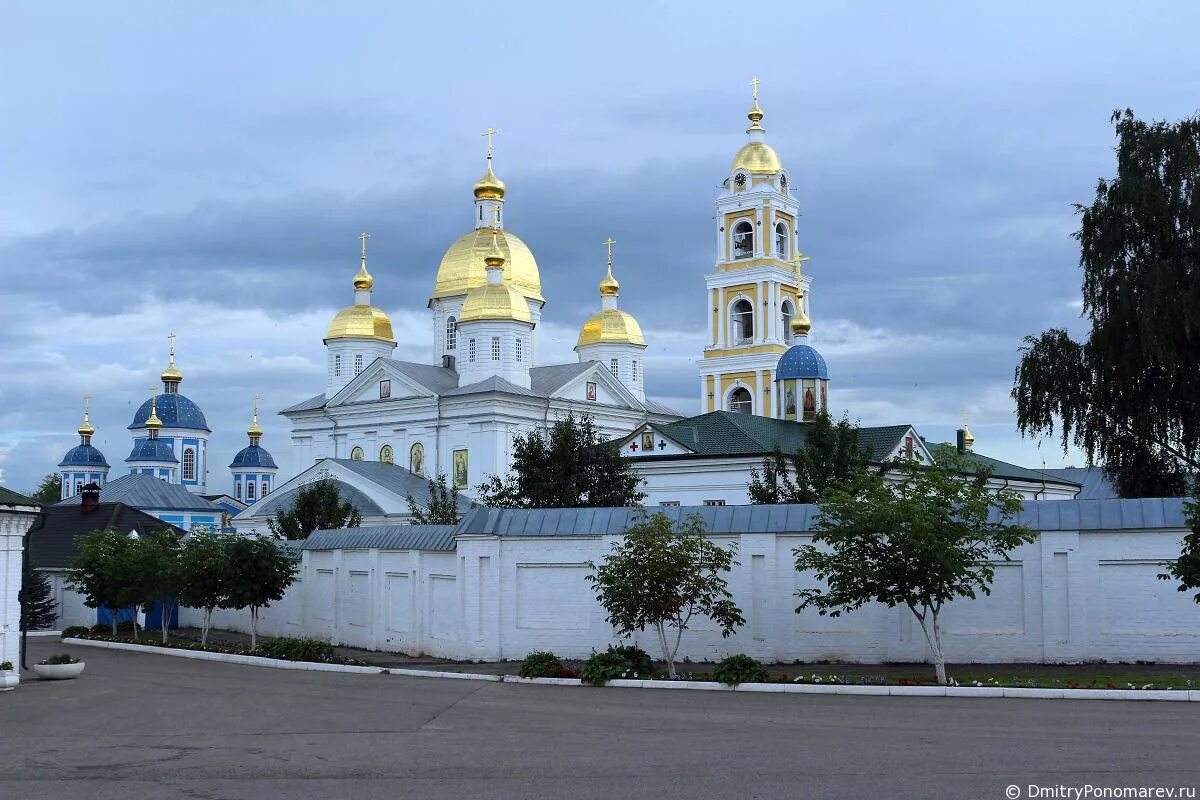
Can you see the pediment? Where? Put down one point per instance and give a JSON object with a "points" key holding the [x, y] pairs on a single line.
{"points": [[379, 382]]}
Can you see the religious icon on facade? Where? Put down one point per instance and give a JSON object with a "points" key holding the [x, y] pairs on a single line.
{"points": [[591, 390], [810, 403], [647, 442], [385, 390], [416, 459], [357, 454], [824, 397], [386, 455], [789, 401], [460, 469]]}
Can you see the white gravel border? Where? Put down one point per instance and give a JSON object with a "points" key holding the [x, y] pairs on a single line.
{"points": [[1176, 695]]}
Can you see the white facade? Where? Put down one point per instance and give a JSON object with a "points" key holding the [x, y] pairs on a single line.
{"points": [[1071, 596], [15, 521]]}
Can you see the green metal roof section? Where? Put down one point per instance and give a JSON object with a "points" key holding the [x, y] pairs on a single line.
{"points": [[1002, 469], [724, 433], [10, 498]]}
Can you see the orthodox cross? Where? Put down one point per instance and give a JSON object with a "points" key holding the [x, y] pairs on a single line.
{"points": [[798, 262], [87, 402], [754, 82], [256, 399], [363, 237], [609, 242], [171, 337], [488, 134]]}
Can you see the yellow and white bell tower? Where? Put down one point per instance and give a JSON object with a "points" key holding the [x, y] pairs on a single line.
{"points": [[752, 294]]}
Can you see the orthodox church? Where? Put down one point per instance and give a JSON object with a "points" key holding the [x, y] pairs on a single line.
{"points": [[458, 415]]}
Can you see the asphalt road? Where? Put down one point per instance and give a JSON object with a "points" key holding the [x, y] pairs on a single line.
{"points": [[145, 726]]}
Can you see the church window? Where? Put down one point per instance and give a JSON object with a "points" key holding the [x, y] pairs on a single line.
{"points": [[785, 311], [189, 464], [740, 401], [783, 183], [669, 503], [358, 365], [495, 348], [634, 370], [781, 240], [614, 366], [481, 213], [237, 490], [520, 355], [451, 333], [357, 454], [743, 240], [714, 502], [78, 487], [250, 490], [337, 366], [266, 487], [386, 455], [741, 318], [471, 350]]}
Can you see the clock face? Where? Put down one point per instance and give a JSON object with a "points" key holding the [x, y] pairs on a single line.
{"points": [[739, 181]]}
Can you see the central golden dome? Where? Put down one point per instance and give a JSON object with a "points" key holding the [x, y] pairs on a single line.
{"points": [[462, 267], [361, 322], [611, 326], [757, 158]]}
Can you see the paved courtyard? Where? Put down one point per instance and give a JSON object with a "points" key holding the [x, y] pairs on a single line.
{"points": [[146, 726]]}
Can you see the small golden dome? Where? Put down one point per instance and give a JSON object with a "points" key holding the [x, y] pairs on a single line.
{"points": [[489, 187], [153, 421], [609, 286], [363, 280], [171, 374], [755, 115], [611, 326], [968, 438], [86, 428], [495, 301], [757, 158], [255, 430], [462, 267], [361, 322], [801, 324]]}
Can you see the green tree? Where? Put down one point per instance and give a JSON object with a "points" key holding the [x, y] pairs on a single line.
{"points": [[158, 573], [568, 466], [831, 459], [1129, 394], [49, 491], [317, 506], [106, 572], [661, 575], [442, 508], [1186, 568], [204, 566], [260, 571], [919, 538], [36, 597]]}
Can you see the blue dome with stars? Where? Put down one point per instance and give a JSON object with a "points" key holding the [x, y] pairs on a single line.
{"points": [[175, 411], [801, 361], [253, 456], [152, 450], [83, 455]]}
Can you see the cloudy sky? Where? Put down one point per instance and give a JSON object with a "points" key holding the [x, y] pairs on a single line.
{"points": [[205, 169]]}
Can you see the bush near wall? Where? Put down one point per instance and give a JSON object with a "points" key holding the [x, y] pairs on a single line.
{"points": [[285, 648]]}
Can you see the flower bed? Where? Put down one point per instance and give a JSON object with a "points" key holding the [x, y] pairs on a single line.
{"points": [[288, 649]]}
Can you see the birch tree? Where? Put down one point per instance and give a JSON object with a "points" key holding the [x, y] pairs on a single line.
{"points": [[919, 538], [204, 578], [662, 575]]}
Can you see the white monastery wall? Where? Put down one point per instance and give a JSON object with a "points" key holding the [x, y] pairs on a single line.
{"points": [[12, 531], [1068, 597]]}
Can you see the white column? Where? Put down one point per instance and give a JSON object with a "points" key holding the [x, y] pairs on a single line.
{"points": [[722, 322], [721, 237], [12, 531], [758, 390], [708, 312], [758, 236], [769, 226], [760, 330], [703, 394]]}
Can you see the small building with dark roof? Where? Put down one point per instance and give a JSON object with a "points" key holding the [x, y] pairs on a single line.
{"points": [[169, 502]]}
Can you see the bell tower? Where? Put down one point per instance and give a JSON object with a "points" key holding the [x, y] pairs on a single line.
{"points": [[752, 294]]}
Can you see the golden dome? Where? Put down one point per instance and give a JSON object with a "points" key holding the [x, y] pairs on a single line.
{"points": [[489, 187], [363, 279], [801, 324], [757, 158], [495, 301], [611, 326], [153, 421], [609, 286], [86, 428], [361, 322], [462, 267]]}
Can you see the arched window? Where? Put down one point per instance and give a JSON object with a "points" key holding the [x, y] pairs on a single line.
{"points": [[237, 490], [520, 354], [337, 366], [495, 348], [471, 350], [266, 487], [386, 455], [783, 184], [740, 401], [743, 240], [357, 454], [781, 240], [786, 312], [250, 490], [614, 366], [416, 459], [358, 363], [741, 321], [189, 464], [634, 370], [78, 487], [451, 334]]}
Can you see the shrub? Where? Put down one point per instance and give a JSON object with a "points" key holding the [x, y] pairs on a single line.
{"points": [[740, 669], [5, 666], [600, 668], [73, 631], [541, 664], [638, 659], [61, 658], [297, 650], [100, 627], [124, 626]]}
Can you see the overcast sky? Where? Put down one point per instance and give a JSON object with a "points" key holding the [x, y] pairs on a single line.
{"points": [[205, 169]]}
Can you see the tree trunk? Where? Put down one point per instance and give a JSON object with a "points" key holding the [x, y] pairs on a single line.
{"points": [[114, 613], [934, 639], [165, 619], [667, 655], [205, 626], [253, 627]]}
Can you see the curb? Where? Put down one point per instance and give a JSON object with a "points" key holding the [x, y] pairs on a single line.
{"points": [[1161, 695]]}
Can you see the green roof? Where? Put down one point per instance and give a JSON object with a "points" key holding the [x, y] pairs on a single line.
{"points": [[10, 498], [1002, 469], [724, 433]]}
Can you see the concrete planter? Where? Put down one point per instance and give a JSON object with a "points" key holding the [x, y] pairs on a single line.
{"points": [[59, 672], [8, 679]]}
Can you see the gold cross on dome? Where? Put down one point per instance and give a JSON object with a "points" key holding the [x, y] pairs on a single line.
{"points": [[363, 237], [754, 82], [798, 262], [488, 134], [87, 403], [609, 242], [171, 338], [256, 399]]}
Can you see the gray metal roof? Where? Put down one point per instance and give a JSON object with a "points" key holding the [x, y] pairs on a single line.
{"points": [[1095, 485], [147, 491], [383, 537], [285, 498], [310, 404], [1043, 515], [398, 479], [491, 384], [545, 381], [436, 379]]}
